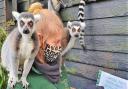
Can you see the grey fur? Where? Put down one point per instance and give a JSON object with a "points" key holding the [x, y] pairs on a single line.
{"points": [[26, 15], [19, 49]]}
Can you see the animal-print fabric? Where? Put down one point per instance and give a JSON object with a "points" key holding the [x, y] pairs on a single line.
{"points": [[52, 53]]}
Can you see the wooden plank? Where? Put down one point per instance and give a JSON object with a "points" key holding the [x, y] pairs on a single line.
{"points": [[109, 26], [8, 9], [103, 59], [2, 12], [1, 0], [2, 19], [2, 4], [110, 8], [106, 43], [80, 83], [14, 5], [70, 3], [90, 71]]}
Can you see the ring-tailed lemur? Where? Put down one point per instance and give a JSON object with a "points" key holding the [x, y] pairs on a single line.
{"points": [[20, 48], [76, 29]]}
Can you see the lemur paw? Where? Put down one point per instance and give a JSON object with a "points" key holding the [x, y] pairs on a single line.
{"points": [[12, 82], [24, 83]]}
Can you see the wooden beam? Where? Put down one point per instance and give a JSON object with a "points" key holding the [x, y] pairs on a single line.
{"points": [[106, 43], [80, 83], [90, 71], [2, 12], [14, 5], [2, 5], [115, 61], [2, 19], [108, 26], [70, 3]]}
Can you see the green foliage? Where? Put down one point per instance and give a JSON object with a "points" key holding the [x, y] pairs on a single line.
{"points": [[3, 35], [3, 72], [3, 78], [8, 24]]}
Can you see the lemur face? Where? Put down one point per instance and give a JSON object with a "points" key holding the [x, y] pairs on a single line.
{"points": [[26, 25], [74, 29], [26, 22]]}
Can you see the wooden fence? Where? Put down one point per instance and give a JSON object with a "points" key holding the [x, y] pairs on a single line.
{"points": [[106, 40]]}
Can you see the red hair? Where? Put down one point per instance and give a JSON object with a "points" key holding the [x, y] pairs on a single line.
{"points": [[49, 28]]}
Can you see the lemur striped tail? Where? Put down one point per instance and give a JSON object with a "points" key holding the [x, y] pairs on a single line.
{"points": [[81, 18], [81, 15]]}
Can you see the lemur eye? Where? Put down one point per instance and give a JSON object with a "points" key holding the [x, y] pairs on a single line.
{"points": [[73, 29], [22, 23], [78, 30], [30, 24]]}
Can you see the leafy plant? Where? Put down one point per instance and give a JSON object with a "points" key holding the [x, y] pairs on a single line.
{"points": [[3, 72], [3, 35], [3, 78]]}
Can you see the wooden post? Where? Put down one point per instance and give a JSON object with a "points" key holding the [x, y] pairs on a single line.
{"points": [[14, 5]]}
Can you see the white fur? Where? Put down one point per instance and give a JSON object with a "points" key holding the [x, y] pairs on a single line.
{"points": [[69, 46], [69, 24], [26, 47], [15, 14], [83, 25]]}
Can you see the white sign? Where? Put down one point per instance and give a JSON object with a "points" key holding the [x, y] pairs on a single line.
{"points": [[109, 81]]}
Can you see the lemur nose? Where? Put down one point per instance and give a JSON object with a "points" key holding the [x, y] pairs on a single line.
{"points": [[76, 35], [26, 31]]}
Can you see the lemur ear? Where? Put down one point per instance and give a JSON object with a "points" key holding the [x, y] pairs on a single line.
{"points": [[16, 14], [69, 25], [37, 17]]}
